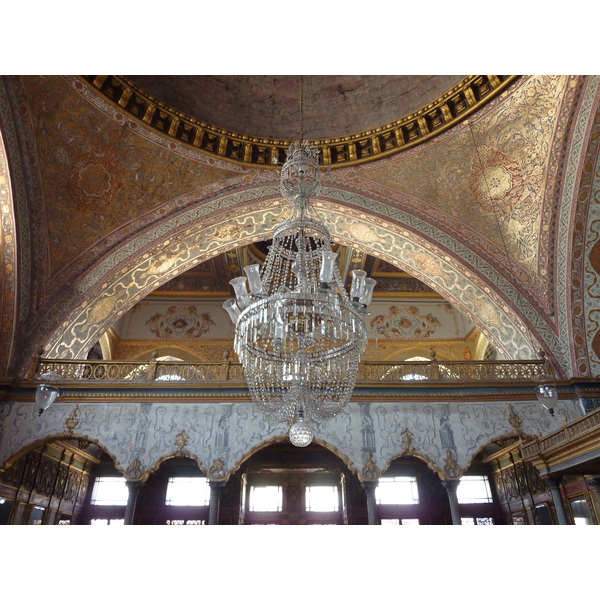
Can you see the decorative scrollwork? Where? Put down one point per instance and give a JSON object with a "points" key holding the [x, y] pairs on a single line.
{"points": [[409, 371]]}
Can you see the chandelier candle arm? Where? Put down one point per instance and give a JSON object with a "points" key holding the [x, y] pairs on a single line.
{"points": [[254, 280], [358, 282], [232, 310], [327, 268], [367, 291], [241, 292]]}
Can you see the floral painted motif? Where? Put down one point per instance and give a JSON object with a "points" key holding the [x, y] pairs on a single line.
{"points": [[496, 181], [179, 322], [406, 323]]}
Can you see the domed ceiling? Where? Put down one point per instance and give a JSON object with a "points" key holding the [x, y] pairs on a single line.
{"points": [[251, 120], [268, 106]]}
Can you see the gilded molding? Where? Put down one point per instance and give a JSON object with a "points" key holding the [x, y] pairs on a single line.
{"points": [[571, 442], [452, 107]]}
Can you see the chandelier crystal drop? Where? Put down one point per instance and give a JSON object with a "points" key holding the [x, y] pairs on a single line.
{"points": [[298, 334]]}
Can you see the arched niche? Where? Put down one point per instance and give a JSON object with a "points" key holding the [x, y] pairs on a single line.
{"points": [[297, 472], [158, 505], [412, 492]]}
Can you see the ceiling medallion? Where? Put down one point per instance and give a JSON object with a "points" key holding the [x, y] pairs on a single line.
{"points": [[449, 109], [298, 334]]}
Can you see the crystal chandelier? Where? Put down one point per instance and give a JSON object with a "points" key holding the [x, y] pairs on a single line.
{"points": [[298, 334]]}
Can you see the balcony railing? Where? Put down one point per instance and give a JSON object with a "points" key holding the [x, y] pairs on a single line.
{"points": [[413, 372], [588, 425]]}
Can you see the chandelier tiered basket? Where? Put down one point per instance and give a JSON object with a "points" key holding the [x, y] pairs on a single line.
{"points": [[298, 334]]}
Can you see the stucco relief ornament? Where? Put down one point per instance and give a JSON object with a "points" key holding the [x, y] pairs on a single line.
{"points": [[135, 469], [217, 470], [514, 419], [407, 440], [72, 421], [180, 322], [181, 440], [451, 467], [370, 471]]}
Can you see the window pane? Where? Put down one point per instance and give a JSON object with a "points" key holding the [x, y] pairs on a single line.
{"points": [[474, 489], [484, 521], [5, 507], [467, 521], [110, 491], [543, 514], [322, 498], [37, 515], [518, 519], [410, 522], [390, 521], [266, 498], [107, 522], [581, 513], [188, 491], [397, 490]]}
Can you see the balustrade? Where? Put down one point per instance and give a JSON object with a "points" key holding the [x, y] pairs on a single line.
{"points": [[408, 372]]}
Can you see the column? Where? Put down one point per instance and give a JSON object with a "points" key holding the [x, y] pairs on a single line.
{"points": [[370, 487], [451, 485], [134, 488], [215, 501], [561, 513]]}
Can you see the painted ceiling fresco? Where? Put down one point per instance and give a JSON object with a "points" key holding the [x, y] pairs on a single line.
{"points": [[97, 175], [490, 184], [491, 175]]}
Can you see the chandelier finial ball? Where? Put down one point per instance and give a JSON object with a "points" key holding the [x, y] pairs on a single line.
{"points": [[300, 434]]}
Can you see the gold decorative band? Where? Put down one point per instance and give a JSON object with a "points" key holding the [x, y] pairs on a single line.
{"points": [[456, 104]]}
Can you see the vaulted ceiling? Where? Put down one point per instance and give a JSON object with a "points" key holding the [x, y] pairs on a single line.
{"points": [[464, 184]]}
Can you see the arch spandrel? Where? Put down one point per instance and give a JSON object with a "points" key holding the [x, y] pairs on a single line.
{"points": [[180, 242]]}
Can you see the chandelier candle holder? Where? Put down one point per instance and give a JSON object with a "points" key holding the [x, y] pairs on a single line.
{"points": [[298, 335]]}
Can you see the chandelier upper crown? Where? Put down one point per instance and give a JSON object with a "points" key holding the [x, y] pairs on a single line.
{"points": [[301, 174]]}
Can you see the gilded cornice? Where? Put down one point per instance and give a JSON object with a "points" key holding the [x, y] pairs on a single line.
{"points": [[452, 107], [237, 391], [573, 441]]}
